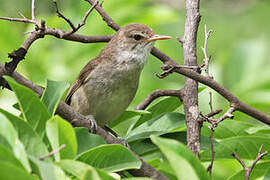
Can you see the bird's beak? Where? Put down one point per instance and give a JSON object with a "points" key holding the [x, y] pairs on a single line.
{"points": [[158, 37]]}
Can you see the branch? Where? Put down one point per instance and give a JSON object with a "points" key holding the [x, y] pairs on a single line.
{"points": [[233, 100], [52, 153], [66, 112], [190, 100], [247, 170], [156, 94]]}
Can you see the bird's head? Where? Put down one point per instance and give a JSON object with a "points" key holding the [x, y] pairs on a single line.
{"points": [[137, 37]]}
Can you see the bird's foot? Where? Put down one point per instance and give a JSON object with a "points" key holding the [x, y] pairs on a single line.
{"points": [[93, 123]]}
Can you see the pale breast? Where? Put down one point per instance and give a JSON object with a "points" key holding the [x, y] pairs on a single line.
{"points": [[107, 91]]}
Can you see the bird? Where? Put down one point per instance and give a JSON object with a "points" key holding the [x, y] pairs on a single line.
{"points": [[108, 83]]}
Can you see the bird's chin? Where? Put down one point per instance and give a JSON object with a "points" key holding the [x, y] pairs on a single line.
{"points": [[149, 45]]}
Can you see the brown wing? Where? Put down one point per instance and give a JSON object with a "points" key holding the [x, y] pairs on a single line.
{"points": [[81, 78]]}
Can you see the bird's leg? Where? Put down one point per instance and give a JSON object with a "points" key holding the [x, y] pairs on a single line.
{"points": [[122, 140]]}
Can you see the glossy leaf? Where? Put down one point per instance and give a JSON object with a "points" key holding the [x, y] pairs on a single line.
{"points": [[7, 155], [86, 140], [245, 146], [61, 132], [184, 163], [10, 172], [8, 132], [166, 105], [33, 110], [111, 158], [228, 128], [52, 94], [157, 126], [48, 170], [127, 115], [79, 169], [267, 175], [32, 142]]}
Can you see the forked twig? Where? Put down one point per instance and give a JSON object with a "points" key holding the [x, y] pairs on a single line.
{"points": [[248, 170], [73, 28]]}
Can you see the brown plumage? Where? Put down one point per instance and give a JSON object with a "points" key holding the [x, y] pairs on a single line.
{"points": [[107, 84]]}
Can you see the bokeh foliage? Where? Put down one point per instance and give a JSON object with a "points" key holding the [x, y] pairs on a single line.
{"points": [[238, 47]]}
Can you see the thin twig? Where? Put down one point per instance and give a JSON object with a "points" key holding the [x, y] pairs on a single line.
{"points": [[204, 49], [73, 28], [33, 10], [248, 170], [210, 101], [52, 152], [156, 94], [214, 122], [213, 113], [168, 69], [210, 167], [18, 20], [59, 14], [226, 115], [20, 14]]}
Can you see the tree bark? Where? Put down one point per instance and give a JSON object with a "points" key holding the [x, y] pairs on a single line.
{"points": [[190, 99]]}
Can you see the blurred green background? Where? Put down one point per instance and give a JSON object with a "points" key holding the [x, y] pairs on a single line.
{"points": [[239, 47]]}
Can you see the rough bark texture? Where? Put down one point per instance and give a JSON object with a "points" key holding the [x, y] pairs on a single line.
{"points": [[190, 100]]}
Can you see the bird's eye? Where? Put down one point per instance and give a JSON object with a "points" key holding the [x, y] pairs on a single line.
{"points": [[137, 37]]}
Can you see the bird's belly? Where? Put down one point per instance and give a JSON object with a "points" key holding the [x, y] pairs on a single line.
{"points": [[106, 96]]}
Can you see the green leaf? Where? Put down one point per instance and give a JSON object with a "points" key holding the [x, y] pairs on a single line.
{"points": [[10, 172], [32, 142], [52, 94], [87, 140], [127, 115], [143, 147], [33, 110], [166, 105], [184, 163], [60, 132], [182, 137], [228, 128], [111, 158], [258, 171], [245, 146], [79, 169], [16, 106], [137, 178], [162, 124], [267, 175], [7, 155], [9, 133], [48, 170]]}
